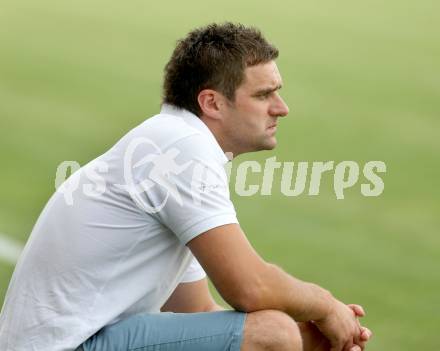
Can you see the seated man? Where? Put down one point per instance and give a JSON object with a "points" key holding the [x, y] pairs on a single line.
{"points": [[104, 267]]}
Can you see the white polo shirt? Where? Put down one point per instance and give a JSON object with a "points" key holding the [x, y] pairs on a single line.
{"points": [[111, 241]]}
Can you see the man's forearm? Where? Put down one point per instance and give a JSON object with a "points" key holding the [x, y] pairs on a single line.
{"points": [[301, 300]]}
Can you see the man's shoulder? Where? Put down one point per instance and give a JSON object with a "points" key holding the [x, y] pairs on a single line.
{"points": [[167, 129]]}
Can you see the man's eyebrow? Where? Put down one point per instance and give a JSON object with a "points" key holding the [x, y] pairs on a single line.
{"points": [[265, 91]]}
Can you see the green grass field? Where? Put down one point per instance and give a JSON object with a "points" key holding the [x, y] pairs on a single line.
{"points": [[362, 81]]}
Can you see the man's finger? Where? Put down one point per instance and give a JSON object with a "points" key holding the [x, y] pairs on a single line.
{"points": [[365, 336], [352, 347], [361, 345], [357, 309], [366, 333], [357, 337]]}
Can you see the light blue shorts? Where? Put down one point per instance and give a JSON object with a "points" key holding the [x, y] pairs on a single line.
{"points": [[209, 331]]}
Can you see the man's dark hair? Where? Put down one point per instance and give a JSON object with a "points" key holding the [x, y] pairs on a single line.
{"points": [[213, 57]]}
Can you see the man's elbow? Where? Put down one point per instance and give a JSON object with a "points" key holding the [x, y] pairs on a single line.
{"points": [[247, 304]]}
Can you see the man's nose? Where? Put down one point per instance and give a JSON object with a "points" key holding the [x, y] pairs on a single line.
{"points": [[280, 108]]}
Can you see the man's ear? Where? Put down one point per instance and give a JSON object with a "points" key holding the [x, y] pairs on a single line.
{"points": [[210, 102]]}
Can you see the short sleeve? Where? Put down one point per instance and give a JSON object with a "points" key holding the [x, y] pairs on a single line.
{"points": [[194, 272], [185, 187]]}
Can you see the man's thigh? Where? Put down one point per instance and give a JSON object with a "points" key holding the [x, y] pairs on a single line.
{"points": [[210, 331]]}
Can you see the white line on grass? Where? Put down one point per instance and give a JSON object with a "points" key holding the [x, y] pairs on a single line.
{"points": [[10, 249]]}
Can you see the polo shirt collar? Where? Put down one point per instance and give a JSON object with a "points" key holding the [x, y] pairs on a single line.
{"points": [[196, 123]]}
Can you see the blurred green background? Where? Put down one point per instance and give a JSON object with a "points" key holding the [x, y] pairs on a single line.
{"points": [[362, 80]]}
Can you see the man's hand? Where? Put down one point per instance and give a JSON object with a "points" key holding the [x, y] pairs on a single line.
{"points": [[342, 328], [314, 340]]}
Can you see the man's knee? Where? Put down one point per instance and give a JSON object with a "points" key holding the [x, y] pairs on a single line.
{"points": [[271, 330]]}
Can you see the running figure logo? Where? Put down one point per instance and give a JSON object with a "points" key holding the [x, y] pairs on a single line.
{"points": [[163, 166]]}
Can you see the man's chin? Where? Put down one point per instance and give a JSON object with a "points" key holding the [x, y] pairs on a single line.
{"points": [[268, 144]]}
